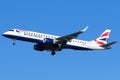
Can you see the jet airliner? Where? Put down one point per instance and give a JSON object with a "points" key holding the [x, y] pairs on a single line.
{"points": [[54, 43]]}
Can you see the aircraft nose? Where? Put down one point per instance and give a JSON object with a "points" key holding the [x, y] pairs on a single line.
{"points": [[4, 34]]}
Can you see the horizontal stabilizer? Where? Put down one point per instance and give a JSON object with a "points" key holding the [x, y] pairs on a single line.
{"points": [[108, 44]]}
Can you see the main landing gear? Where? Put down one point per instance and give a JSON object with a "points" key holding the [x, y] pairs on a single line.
{"points": [[53, 53]]}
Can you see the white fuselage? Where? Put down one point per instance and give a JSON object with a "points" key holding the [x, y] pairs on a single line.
{"points": [[36, 37]]}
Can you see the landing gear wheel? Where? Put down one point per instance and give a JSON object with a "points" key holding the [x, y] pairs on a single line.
{"points": [[53, 53]]}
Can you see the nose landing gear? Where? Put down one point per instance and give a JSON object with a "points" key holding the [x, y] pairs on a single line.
{"points": [[14, 41]]}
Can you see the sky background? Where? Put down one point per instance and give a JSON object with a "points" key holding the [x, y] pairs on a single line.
{"points": [[59, 17]]}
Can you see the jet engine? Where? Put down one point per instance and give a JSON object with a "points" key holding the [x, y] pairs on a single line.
{"points": [[38, 47]]}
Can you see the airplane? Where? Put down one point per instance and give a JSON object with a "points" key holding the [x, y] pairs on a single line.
{"points": [[54, 43]]}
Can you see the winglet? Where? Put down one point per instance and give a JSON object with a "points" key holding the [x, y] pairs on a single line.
{"points": [[85, 29]]}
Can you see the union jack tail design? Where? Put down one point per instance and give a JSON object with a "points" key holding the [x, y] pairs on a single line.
{"points": [[103, 38]]}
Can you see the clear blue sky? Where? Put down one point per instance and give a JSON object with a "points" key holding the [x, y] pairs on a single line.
{"points": [[59, 17]]}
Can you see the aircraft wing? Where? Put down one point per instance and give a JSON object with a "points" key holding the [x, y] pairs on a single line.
{"points": [[66, 38]]}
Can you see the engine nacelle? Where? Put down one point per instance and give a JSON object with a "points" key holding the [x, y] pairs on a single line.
{"points": [[38, 47], [49, 41]]}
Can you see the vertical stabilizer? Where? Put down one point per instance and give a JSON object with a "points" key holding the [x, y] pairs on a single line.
{"points": [[103, 38]]}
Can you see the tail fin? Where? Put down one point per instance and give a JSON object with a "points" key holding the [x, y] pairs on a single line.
{"points": [[103, 38]]}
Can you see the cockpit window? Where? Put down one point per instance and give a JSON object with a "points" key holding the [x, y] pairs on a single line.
{"points": [[11, 30], [17, 31], [14, 30]]}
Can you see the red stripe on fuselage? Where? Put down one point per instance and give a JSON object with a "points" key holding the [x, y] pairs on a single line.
{"points": [[23, 30]]}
